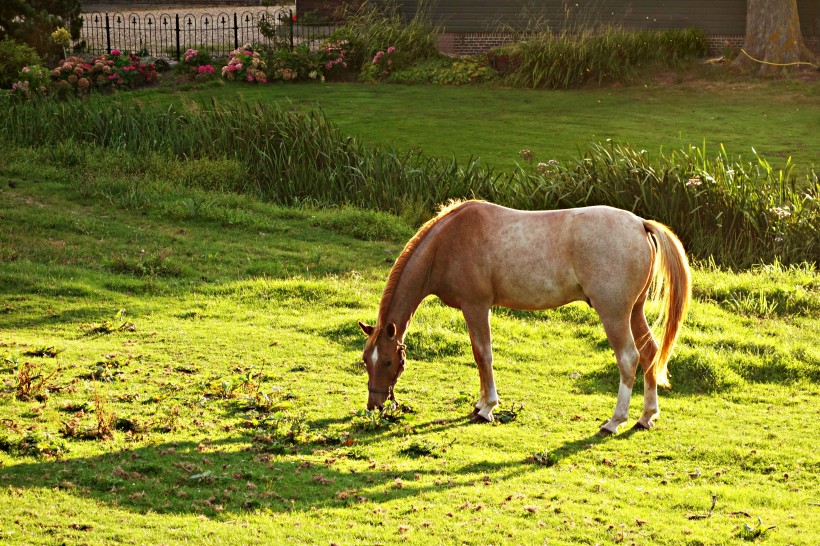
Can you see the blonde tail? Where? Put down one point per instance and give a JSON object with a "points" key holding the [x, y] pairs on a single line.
{"points": [[673, 287]]}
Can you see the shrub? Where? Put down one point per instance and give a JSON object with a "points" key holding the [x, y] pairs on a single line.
{"points": [[32, 81], [194, 62], [13, 57], [297, 64], [109, 71], [245, 65]]}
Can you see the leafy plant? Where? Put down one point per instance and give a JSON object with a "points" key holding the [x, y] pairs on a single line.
{"points": [[13, 57], [754, 532]]}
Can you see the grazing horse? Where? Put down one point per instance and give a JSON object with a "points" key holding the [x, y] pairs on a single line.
{"points": [[475, 255]]}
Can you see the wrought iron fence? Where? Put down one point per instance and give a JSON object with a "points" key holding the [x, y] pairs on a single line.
{"points": [[169, 35]]}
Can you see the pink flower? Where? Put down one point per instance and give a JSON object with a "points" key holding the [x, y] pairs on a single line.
{"points": [[25, 69], [232, 68], [115, 52], [391, 49]]}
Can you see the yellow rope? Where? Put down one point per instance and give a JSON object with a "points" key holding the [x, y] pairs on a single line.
{"points": [[778, 64]]}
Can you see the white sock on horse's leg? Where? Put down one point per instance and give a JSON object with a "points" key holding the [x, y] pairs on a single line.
{"points": [[621, 413]]}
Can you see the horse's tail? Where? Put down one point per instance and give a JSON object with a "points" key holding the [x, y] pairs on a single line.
{"points": [[673, 288]]}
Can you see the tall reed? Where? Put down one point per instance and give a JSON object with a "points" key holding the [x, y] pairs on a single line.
{"points": [[737, 213], [578, 56]]}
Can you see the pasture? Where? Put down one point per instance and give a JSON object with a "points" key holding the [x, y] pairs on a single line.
{"points": [[184, 365]]}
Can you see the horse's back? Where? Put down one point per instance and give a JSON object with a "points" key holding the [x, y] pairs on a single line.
{"points": [[541, 259]]}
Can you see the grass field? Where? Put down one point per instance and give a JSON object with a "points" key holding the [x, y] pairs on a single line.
{"points": [[777, 119], [220, 405], [186, 368]]}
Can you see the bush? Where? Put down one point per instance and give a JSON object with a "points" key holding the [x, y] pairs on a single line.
{"points": [[32, 81], [245, 65], [196, 63], [110, 71], [13, 57]]}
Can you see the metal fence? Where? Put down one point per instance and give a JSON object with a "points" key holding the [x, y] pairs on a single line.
{"points": [[169, 35]]}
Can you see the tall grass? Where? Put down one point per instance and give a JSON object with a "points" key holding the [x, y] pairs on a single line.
{"points": [[574, 57], [375, 27], [737, 213]]}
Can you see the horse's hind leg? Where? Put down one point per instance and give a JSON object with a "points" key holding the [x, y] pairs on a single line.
{"points": [[619, 334], [647, 346], [478, 323]]}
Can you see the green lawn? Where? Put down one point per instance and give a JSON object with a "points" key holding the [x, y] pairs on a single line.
{"points": [[778, 119], [207, 385]]}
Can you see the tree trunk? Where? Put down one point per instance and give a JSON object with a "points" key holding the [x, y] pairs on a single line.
{"points": [[773, 36]]}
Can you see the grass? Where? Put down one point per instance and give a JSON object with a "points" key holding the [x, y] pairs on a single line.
{"points": [[554, 124], [205, 386]]}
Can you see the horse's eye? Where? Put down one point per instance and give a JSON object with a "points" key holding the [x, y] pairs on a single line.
{"points": [[387, 363]]}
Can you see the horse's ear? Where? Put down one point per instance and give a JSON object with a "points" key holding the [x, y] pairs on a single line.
{"points": [[367, 329], [391, 330]]}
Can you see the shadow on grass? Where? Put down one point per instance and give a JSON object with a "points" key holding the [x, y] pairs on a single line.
{"points": [[227, 477]]}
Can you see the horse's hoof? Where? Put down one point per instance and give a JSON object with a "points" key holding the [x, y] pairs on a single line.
{"points": [[604, 432], [479, 419], [474, 412], [640, 426]]}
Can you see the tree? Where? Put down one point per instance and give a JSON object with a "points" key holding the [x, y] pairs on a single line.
{"points": [[33, 21], [773, 35]]}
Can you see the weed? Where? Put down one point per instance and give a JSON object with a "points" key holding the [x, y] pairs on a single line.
{"points": [[390, 414], [509, 415], [32, 382], [422, 448], [754, 532], [34, 444], [544, 458], [118, 324], [44, 352]]}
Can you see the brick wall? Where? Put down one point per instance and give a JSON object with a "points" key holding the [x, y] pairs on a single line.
{"points": [[477, 43]]}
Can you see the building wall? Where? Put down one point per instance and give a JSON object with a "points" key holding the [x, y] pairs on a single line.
{"points": [[474, 26]]}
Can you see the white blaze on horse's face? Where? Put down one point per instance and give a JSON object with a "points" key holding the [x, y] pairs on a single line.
{"points": [[384, 359]]}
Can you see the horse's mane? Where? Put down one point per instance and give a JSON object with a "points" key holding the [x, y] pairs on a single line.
{"points": [[395, 273]]}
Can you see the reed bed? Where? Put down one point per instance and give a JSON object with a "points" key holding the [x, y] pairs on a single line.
{"points": [[574, 57], [733, 212]]}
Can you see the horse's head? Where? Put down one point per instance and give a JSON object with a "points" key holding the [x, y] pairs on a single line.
{"points": [[384, 359]]}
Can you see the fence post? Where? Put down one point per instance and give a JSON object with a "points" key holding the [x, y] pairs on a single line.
{"points": [[290, 27], [235, 31], [107, 35], [177, 35]]}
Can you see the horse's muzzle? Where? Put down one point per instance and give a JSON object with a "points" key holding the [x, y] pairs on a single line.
{"points": [[377, 397]]}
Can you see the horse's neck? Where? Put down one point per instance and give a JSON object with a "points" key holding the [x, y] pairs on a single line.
{"points": [[411, 289]]}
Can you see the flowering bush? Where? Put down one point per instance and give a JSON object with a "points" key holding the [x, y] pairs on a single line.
{"points": [[33, 80], [203, 72], [245, 65], [383, 63], [193, 60], [334, 58], [111, 71], [298, 64]]}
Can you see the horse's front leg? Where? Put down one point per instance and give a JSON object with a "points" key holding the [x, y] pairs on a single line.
{"points": [[478, 323]]}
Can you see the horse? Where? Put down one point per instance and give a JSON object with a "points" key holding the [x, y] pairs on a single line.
{"points": [[475, 255]]}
